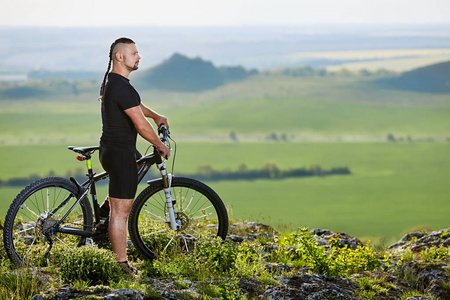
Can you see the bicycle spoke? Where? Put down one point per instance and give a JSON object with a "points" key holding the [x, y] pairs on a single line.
{"points": [[48, 199], [189, 202], [29, 248], [170, 242], [26, 206], [197, 232], [185, 242], [24, 231], [155, 215], [155, 232], [61, 209], [39, 208], [62, 242], [196, 207], [201, 209]]}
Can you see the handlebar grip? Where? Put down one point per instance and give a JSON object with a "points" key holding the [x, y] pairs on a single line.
{"points": [[161, 153], [162, 129]]}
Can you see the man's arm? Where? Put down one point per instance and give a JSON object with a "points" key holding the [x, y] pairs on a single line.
{"points": [[149, 113], [145, 129]]}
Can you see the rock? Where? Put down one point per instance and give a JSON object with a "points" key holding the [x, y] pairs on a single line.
{"points": [[291, 283], [324, 236], [312, 287], [123, 294], [245, 228], [417, 242], [430, 279]]}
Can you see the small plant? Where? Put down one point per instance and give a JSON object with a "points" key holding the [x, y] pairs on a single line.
{"points": [[373, 286], [415, 294], [97, 266], [332, 261], [348, 261], [435, 254], [445, 234], [19, 284], [222, 289], [408, 255], [218, 255], [250, 262]]}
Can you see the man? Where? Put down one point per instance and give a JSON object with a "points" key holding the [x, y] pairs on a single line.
{"points": [[123, 117]]}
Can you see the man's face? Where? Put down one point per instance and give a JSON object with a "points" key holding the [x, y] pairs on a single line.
{"points": [[131, 57]]}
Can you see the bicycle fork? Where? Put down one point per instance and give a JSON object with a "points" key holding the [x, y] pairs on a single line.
{"points": [[167, 181]]}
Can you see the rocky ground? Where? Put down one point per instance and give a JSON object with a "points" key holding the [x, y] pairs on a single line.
{"points": [[433, 279]]}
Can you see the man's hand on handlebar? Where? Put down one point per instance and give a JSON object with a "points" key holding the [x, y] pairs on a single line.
{"points": [[164, 151], [160, 119]]}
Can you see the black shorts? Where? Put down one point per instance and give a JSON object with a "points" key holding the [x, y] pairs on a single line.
{"points": [[123, 172]]}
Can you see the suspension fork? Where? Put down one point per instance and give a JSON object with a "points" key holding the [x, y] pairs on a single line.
{"points": [[167, 182]]}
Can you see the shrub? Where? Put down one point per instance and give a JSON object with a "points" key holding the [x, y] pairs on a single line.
{"points": [[20, 284], [98, 266], [216, 254], [435, 254], [335, 261]]}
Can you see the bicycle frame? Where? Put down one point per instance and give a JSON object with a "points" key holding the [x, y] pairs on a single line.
{"points": [[144, 162]]}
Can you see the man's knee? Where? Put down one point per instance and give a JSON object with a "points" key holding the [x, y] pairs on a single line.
{"points": [[120, 207]]}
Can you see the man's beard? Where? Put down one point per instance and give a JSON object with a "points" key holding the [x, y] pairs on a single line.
{"points": [[134, 67]]}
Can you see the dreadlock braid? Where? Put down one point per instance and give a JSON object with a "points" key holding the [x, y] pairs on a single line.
{"points": [[122, 40]]}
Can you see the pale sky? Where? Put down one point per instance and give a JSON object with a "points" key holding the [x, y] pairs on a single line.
{"points": [[67, 13]]}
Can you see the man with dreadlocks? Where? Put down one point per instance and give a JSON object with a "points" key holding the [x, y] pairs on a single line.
{"points": [[123, 117]]}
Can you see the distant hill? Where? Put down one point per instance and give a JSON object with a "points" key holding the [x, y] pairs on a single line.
{"points": [[180, 73], [430, 79]]}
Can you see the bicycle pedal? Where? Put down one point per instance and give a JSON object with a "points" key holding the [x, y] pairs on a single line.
{"points": [[102, 227]]}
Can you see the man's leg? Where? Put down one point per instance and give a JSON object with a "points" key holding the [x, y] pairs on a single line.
{"points": [[120, 209]]}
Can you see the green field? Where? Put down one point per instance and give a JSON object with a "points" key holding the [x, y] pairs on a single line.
{"points": [[394, 186]]}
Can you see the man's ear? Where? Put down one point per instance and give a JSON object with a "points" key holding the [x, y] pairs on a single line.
{"points": [[119, 56]]}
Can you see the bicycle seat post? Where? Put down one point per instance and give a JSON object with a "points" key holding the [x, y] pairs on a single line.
{"points": [[87, 156]]}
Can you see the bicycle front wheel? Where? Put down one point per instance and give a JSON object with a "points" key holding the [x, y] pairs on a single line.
{"points": [[198, 210], [27, 234]]}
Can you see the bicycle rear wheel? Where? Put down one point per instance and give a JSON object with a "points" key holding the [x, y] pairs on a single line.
{"points": [[198, 209], [27, 231]]}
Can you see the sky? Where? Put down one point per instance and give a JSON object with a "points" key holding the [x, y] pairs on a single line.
{"points": [[88, 13]]}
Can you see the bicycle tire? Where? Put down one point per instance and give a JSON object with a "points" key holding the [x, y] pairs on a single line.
{"points": [[197, 207], [28, 217]]}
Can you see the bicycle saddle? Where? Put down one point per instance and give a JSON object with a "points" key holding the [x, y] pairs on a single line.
{"points": [[83, 150]]}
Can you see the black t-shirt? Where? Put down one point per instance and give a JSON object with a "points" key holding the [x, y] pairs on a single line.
{"points": [[118, 130]]}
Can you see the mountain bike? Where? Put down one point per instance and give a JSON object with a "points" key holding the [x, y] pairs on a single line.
{"points": [[54, 214]]}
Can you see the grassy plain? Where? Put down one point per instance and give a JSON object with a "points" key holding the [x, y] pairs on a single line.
{"points": [[393, 187], [332, 122]]}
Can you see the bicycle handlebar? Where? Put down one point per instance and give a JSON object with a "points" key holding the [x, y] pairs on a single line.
{"points": [[164, 131], [165, 134]]}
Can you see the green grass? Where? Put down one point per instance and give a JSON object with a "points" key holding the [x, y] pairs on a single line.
{"points": [[303, 118], [299, 107], [393, 187]]}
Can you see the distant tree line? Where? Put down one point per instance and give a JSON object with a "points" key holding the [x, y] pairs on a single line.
{"points": [[269, 170], [46, 87]]}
